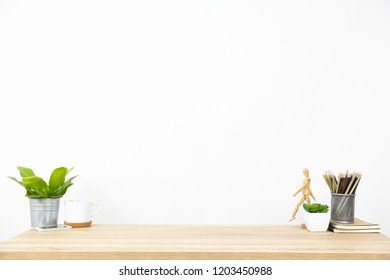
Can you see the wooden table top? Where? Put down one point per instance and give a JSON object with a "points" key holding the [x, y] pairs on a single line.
{"points": [[194, 242]]}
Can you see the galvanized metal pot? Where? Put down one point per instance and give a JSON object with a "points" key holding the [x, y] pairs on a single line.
{"points": [[44, 212]]}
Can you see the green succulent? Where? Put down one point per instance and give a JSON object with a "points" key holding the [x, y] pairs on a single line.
{"points": [[36, 187], [316, 208]]}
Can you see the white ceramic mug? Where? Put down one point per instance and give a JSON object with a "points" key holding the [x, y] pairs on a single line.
{"points": [[81, 211]]}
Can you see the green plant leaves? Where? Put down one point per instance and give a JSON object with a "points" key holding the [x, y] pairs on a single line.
{"points": [[316, 208], [64, 187], [57, 178], [25, 172], [16, 180], [36, 187]]}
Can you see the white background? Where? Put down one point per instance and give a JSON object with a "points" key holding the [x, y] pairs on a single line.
{"points": [[195, 111]]}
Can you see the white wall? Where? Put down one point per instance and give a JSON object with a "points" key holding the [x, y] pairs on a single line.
{"points": [[195, 111]]}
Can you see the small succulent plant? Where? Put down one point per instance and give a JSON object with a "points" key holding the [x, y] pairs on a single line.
{"points": [[316, 208]]}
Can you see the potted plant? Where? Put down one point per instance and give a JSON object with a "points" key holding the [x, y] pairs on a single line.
{"points": [[44, 197], [316, 216]]}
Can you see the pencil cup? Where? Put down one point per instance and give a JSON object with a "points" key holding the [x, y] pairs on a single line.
{"points": [[342, 208]]}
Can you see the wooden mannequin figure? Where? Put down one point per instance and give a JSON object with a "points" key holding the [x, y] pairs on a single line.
{"points": [[306, 191]]}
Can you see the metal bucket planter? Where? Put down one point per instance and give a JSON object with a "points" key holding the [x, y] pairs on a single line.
{"points": [[44, 212]]}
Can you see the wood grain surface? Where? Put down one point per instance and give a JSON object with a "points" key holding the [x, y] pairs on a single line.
{"points": [[191, 242]]}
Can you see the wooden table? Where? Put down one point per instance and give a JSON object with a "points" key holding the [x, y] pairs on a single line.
{"points": [[194, 242]]}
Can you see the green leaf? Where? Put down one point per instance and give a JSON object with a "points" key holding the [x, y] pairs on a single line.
{"points": [[62, 189], [57, 178], [36, 186], [25, 172], [29, 191], [316, 208], [14, 179], [323, 208]]}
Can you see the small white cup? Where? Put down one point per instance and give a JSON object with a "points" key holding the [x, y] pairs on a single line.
{"points": [[81, 211]]}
